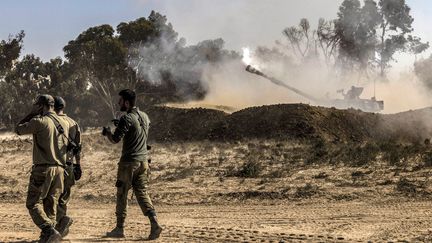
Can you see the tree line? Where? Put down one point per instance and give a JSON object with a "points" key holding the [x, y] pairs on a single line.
{"points": [[148, 55], [145, 54], [363, 39]]}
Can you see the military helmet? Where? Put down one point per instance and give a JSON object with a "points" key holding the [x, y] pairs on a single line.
{"points": [[59, 103], [44, 99]]}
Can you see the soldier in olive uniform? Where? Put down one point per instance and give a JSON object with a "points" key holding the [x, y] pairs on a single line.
{"points": [[49, 158], [133, 168], [72, 171]]}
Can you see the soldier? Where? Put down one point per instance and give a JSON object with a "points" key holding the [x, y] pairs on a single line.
{"points": [[72, 171], [133, 168], [49, 158]]}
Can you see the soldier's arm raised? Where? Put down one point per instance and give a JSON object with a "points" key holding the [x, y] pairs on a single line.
{"points": [[29, 127], [24, 126]]}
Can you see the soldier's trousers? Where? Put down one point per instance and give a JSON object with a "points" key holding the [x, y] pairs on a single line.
{"points": [[45, 187], [69, 181], [133, 175]]}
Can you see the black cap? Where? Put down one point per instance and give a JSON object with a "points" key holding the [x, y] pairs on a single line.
{"points": [[44, 99], [59, 103]]}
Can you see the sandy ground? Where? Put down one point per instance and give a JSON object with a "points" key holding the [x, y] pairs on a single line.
{"points": [[201, 198], [292, 222]]}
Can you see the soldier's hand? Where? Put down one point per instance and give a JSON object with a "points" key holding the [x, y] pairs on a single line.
{"points": [[106, 130], [36, 110], [77, 171], [115, 122]]}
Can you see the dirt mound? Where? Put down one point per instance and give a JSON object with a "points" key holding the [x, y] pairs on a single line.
{"points": [[299, 121], [280, 122], [286, 122], [175, 124], [413, 125]]}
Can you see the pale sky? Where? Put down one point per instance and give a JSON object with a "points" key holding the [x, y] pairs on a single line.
{"points": [[50, 24]]}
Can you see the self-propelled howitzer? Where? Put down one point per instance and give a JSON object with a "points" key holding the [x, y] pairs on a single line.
{"points": [[351, 98]]}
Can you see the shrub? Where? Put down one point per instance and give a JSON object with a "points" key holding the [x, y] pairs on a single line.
{"points": [[250, 169], [359, 155], [306, 191], [427, 158], [405, 186]]}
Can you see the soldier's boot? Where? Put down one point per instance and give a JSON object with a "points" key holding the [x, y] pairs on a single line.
{"points": [[115, 233], [50, 235], [63, 225], [118, 231], [155, 228]]}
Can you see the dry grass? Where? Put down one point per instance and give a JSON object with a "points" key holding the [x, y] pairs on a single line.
{"points": [[213, 172]]}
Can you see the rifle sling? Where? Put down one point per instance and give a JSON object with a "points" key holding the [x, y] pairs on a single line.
{"points": [[60, 129]]}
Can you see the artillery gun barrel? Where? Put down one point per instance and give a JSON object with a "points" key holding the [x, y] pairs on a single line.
{"points": [[253, 70]]}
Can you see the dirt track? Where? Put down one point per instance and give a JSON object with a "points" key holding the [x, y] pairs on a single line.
{"points": [[293, 222]]}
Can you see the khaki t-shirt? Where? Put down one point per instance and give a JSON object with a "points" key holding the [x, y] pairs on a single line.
{"points": [[74, 134], [49, 146]]}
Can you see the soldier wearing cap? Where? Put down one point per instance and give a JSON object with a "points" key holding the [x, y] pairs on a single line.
{"points": [[49, 158], [72, 171]]}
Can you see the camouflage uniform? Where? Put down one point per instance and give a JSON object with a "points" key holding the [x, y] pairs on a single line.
{"points": [[69, 179], [46, 179], [133, 168]]}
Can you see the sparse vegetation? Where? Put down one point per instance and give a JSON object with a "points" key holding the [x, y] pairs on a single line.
{"points": [[318, 153], [362, 154], [407, 187], [306, 191], [251, 168], [427, 158]]}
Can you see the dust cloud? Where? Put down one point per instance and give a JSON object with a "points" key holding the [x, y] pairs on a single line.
{"points": [[231, 85], [228, 83]]}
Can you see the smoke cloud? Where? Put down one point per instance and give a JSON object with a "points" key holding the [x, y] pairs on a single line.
{"points": [[260, 23]]}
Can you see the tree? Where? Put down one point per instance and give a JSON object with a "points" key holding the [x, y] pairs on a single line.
{"points": [[145, 54], [301, 39], [142, 31], [167, 70], [98, 58], [423, 71], [328, 40], [356, 31], [371, 34], [396, 24], [9, 51], [22, 84]]}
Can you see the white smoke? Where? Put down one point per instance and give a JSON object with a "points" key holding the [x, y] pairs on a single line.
{"points": [[230, 85], [237, 23]]}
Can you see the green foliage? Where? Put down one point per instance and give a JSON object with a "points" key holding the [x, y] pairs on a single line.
{"points": [[375, 29], [148, 30], [10, 51], [145, 55], [98, 57]]}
